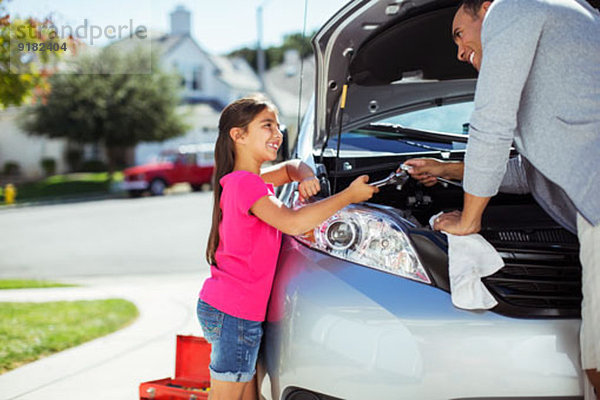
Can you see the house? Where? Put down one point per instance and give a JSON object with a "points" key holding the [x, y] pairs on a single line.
{"points": [[27, 151], [206, 78], [209, 82]]}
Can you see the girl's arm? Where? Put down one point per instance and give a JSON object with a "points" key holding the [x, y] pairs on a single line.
{"points": [[294, 222], [293, 171], [286, 172]]}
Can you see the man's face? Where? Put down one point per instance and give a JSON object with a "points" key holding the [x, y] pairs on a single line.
{"points": [[466, 31]]}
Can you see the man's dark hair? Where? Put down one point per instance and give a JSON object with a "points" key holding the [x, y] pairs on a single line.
{"points": [[472, 6]]}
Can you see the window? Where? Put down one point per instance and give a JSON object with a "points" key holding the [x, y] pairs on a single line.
{"points": [[206, 158], [188, 159], [197, 79]]}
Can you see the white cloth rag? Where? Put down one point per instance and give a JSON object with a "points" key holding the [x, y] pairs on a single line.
{"points": [[470, 258]]}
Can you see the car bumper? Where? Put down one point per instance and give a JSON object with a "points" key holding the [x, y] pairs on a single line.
{"points": [[134, 185], [352, 332]]}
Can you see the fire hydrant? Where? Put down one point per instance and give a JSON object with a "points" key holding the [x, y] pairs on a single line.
{"points": [[10, 193]]}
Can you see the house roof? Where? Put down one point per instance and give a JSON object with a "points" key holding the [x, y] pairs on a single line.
{"points": [[236, 72], [166, 43], [282, 84]]}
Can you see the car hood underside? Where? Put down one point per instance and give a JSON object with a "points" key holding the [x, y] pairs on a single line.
{"points": [[380, 49]]}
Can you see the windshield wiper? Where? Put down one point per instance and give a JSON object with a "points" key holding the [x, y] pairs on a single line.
{"points": [[421, 145], [448, 138]]}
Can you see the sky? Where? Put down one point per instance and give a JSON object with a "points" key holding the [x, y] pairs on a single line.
{"points": [[219, 26]]}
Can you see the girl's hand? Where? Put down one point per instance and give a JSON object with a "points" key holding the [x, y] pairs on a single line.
{"points": [[309, 187], [359, 190]]}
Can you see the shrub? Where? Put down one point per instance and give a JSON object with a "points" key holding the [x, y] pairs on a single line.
{"points": [[11, 168], [49, 166], [73, 158], [93, 166]]}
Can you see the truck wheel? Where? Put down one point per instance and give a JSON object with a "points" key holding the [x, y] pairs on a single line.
{"points": [[197, 188], [157, 187]]}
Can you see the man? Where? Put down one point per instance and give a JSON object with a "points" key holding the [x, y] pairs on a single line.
{"points": [[539, 88]]}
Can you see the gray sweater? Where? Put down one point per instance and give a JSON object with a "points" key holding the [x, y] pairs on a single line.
{"points": [[539, 86], [522, 178]]}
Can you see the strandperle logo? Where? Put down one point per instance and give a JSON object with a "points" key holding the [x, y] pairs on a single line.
{"points": [[85, 31], [64, 48]]}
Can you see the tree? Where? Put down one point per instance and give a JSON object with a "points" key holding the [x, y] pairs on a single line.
{"points": [[274, 54], [247, 54], [102, 103], [23, 72], [298, 42]]}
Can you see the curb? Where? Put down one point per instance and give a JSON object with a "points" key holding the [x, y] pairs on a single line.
{"points": [[64, 200]]}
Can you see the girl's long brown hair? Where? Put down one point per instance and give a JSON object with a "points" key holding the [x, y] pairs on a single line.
{"points": [[236, 115]]}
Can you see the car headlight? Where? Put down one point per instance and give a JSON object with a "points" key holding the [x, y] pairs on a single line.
{"points": [[368, 237]]}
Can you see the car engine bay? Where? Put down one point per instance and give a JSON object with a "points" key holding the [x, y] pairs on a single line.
{"points": [[542, 274]]}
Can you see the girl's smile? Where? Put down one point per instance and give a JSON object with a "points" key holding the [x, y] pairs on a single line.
{"points": [[263, 134]]}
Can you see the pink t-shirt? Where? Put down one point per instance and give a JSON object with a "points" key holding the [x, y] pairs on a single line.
{"points": [[246, 257]]}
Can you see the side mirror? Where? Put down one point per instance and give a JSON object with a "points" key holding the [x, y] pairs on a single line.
{"points": [[285, 145]]}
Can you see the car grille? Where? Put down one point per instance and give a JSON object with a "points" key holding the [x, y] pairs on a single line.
{"points": [[541, 276], [552, 236]]}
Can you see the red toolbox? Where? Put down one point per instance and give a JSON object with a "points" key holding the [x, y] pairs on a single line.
{"points": [[192, 377]]}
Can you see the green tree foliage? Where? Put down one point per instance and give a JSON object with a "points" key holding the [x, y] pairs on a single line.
{"points": [[101, 103], [248, 54], [274, 54], [297, 42], [24, 74]]}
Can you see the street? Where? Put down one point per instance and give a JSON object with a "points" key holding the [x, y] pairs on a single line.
{"points": [[150, 235], [149, 251]]}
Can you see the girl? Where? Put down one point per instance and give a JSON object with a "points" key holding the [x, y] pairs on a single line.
{"points": [[245, 237]]}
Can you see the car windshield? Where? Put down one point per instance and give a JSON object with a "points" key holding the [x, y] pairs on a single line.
{"points": [[440, 128], [449, 118], [168, 157]]}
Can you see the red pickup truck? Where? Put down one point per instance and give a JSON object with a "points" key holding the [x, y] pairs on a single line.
{"points": [[193, 164]]}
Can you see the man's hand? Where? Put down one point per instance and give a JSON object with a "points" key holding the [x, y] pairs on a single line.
{"points": [[426, 170], [309, 187], [466, 222], [452, 223]]}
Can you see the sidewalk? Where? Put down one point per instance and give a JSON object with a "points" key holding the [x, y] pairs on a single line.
{"points": [[111, 367]]}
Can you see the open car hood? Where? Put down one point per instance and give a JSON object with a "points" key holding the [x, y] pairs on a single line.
{"points": [[392, 55]]}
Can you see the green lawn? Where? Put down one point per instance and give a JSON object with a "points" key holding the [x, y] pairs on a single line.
{"points": [[29, 331], [58, 186], [29, 284]]}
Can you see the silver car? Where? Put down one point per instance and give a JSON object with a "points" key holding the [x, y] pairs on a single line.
{"points": [[361, 306]]}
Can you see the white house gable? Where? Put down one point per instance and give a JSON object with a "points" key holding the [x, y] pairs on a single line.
{"points": [[197, 72]]}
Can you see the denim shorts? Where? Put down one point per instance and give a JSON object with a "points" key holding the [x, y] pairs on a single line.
{"points": [[235, 343]]}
